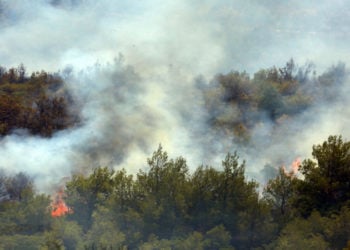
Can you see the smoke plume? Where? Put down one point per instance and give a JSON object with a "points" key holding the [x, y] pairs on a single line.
{"points": [[133, 67]]}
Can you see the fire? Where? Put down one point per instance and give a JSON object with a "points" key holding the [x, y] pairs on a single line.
{"points": [[294, 168], [59, 207], [295, 165]]}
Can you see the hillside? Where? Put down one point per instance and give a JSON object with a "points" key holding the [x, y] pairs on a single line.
{"points": [[39, 104]]}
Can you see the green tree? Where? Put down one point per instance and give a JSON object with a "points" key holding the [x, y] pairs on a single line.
{"points": [[164, 187], [337, 229], [204, 207], [304, 234], [236, 195], [104, 232], [28, 216], [85, 193], [124, 203], [279, 192], [217, 238], [19, 242], [194, 241], [326, 183], [64, 234]]}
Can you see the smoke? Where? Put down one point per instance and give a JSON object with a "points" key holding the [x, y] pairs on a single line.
{"points": [[135, 72]]}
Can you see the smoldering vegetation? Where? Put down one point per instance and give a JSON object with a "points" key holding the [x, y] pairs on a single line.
{"points": [[164, 89], [267, 115], [199, 78], [122, 115]]}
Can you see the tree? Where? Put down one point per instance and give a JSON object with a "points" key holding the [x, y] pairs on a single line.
{"points": [[311, 233], [287, 72], [164, 189], [271, 102], [331, 80], [124, 203], [25, 216], [104, 232], [85, 194], [21, 73], [205, 182], [326, 183], [194, 241], [235, 87], [20, 187], [217, 238], [48, 116], [17, 241], [338, 228], [235, 194], [12, 75], [225, 197], [4, 195], [2, 69], [279, 193], [10, 109]]}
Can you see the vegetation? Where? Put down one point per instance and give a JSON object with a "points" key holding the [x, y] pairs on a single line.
{"points": [[165, 206], [237, 104], [38, 103]]}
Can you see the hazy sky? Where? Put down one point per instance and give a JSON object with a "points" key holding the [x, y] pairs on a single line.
{"points": [[202, 36], [148, 96]]}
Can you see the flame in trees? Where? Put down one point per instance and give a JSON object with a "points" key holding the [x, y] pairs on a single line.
{"points": [[295, 165], [59, 207], [294, 168]]}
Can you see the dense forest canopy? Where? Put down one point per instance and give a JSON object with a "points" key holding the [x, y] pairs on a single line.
{"points": [[165, 206]]}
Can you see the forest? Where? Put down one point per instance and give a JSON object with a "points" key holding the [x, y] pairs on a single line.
{"points": [[166, 205]]}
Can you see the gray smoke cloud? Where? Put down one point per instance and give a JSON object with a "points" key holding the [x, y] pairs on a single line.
{"points": [[135, 73]]}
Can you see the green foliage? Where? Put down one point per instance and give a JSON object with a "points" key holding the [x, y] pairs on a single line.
{"points": [[27, 216], [338, 228], [327, 181], [279, 193], [64, 235], [166, 207], [20, 242], [194, 241], [84, 194], [104, 232], [217, 238], [316, 232], [165, 186]]}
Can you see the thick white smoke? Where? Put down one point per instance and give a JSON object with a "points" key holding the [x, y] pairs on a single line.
{"points": [[134, 69]]}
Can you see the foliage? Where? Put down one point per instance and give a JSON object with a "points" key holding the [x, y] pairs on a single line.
{"points": [[236, 104], [327, 181], [279, 193], [19, 242], [38, 103], [166, 207]]}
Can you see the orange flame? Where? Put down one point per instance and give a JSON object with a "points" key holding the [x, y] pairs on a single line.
{"points": [[294, 168], [59, 207], [295, 165]]}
